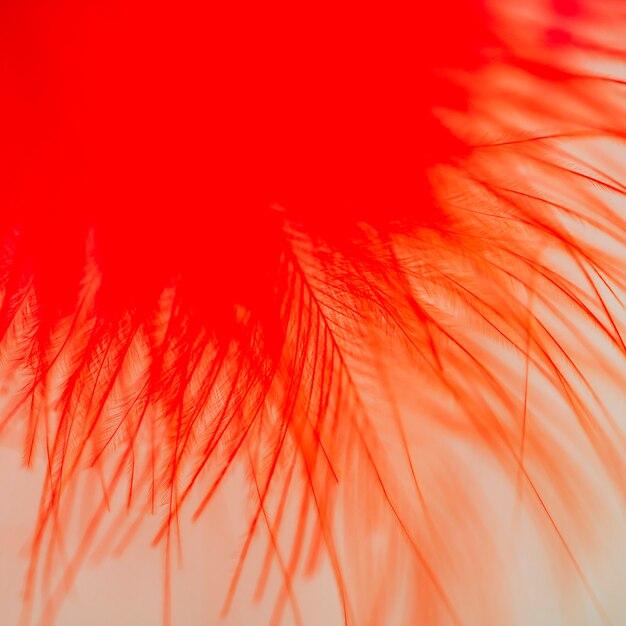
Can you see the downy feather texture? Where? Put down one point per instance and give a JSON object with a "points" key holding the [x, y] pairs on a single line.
{"points": [[366, 263]]}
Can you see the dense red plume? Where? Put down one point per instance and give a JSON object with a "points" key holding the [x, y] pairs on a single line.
{"points": [[365, 262]]}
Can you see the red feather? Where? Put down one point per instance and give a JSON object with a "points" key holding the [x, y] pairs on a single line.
{"points": [[367, 263]]}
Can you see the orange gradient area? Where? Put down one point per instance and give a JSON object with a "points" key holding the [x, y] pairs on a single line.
{"points": [[312, 316]]}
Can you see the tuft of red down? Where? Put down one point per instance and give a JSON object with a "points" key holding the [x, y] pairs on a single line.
{"points": [[363, 252]]}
